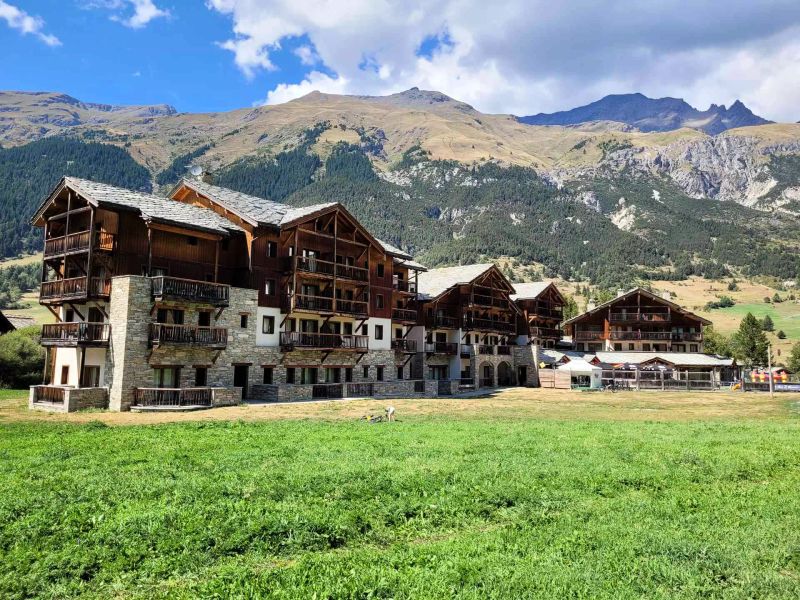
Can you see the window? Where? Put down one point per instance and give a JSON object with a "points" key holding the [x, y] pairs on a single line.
{"points": [[204, 319], [380, 270], [398, 333], [693, 348], [158, 272], [243, 321], [269, 287], [378, 300], [617, 347], [272, 249], [366, 371], [166, 377], [290, 375], [267, 375], [308, 375], [646, 347], [379, 373], [191, 240], [378, 332], [399, 372], [201, 376], [267, 324], [365, 329], [348, 374], [69, 315], [631, 346]]}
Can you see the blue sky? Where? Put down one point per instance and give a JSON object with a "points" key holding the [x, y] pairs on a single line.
{"points": [[174, 59], [509, 56]]}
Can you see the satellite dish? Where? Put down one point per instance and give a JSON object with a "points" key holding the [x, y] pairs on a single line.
{"points": [[196, 170]]}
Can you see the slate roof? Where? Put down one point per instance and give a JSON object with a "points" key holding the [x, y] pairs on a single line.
{"points": [[529, 291], [257, 211], [150, 207], [436, 281], [19, 321], [679, 359]]}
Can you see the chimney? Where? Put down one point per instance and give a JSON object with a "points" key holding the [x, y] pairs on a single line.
{"points": [[207, 177], [590, 305], [666, 295], [620, 293]]}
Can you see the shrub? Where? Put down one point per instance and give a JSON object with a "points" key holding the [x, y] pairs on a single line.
{"points": [[21, 358], [781, 334]]}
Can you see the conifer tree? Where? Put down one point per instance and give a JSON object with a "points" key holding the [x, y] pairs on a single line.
{"points": [[750, 343]]}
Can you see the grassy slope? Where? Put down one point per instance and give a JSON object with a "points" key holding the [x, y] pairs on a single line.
{"points": [[481, 506]]}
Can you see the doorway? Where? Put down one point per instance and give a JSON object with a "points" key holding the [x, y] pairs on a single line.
{"points": [[241, 376], [522, 376]]}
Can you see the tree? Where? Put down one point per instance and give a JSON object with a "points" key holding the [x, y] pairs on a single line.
{"points": [[777, 298], [767, 300], [750, 343], [793, 364], [716, 343], [733, 286], [21, 358], [570, 307], [781, 334], [767, 324]]}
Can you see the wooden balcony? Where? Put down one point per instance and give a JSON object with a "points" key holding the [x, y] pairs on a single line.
{"points": [[583, 336], [404, 315], [545, 333], [326, 269], [547, 312], [486, 349], [665, 336], [291, 340], [441, 348], [488, 325], [188, 335], [441, 322], [686, 336], [404, 346], [405, 286], [173, 397], [75, 334], [639, 316], [327, 304], [485, 300], [190, 290], [74, 288], [79, 242]]}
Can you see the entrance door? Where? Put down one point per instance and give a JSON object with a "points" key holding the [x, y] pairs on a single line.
{"points": [[522, 375], [240, 378]]}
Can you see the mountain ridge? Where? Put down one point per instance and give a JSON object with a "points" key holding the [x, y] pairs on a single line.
{"points": [[653, 114]]}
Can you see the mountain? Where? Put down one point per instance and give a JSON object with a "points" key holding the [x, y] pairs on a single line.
{"points": [[653, 114], [599, 200]]}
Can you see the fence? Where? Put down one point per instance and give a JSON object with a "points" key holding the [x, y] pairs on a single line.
{"points": [[667, 380]]}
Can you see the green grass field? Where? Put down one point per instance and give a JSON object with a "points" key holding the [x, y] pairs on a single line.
{"points": [[475, 504]]}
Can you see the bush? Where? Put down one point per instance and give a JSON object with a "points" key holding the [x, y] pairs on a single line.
{"points": [[777, 298], [733, 286], [722, 302], [781, 335], [21, 358], [767, 300]]}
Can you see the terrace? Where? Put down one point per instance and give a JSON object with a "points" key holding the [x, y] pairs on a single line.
{"points": [[187, 335], [323, 341]]}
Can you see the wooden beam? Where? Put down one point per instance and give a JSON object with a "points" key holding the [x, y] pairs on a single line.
{"points": [[184, 231], [216, 261], [149, 251], [80, 369]]}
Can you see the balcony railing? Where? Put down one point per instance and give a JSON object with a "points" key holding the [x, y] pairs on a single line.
{"points": [[442, 322], [49, 393], [71, 334], [488, 325], [327, 390], [75, 288], [403, 285], [550, 312], [323, 341], [641, 335], [504, 350], [485, 349], [484, 300], [441, 348], [406, 346], [201, 396], [589, 335], [404, 314], [317, 266], [639, 316], [190, 290], [545, 332], [357, 308], [79, 242], [327, 304], [686, 336], [188, 335]]}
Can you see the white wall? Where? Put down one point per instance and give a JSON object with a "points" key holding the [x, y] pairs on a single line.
{"points": [[268, 339], [388, 333], [66, 357]]}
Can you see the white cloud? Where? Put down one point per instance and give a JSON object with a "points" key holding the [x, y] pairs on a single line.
{"points": [[144, 11], [18, 19], [526, 56]]}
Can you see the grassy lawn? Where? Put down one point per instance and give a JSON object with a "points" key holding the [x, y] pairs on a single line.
{"points": [[529, 493]]}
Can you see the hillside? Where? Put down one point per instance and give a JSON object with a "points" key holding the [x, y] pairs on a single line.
{"points": [[437, 177], [653, 114]]}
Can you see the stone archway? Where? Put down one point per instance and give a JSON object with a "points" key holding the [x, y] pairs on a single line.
{"points": [[505, 375], [486, 375]]}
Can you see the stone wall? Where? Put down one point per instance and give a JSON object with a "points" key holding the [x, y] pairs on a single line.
{"points": [[231, 396], [74, 399]]}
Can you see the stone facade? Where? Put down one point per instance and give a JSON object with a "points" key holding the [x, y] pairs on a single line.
{"points": [[74, 399]]}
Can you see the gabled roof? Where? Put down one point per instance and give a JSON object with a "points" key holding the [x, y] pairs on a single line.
{"points": [[254, 210], [435, 282], [676, 307], [151, 208], [19, 321], [5, 324], [532, 290]]}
